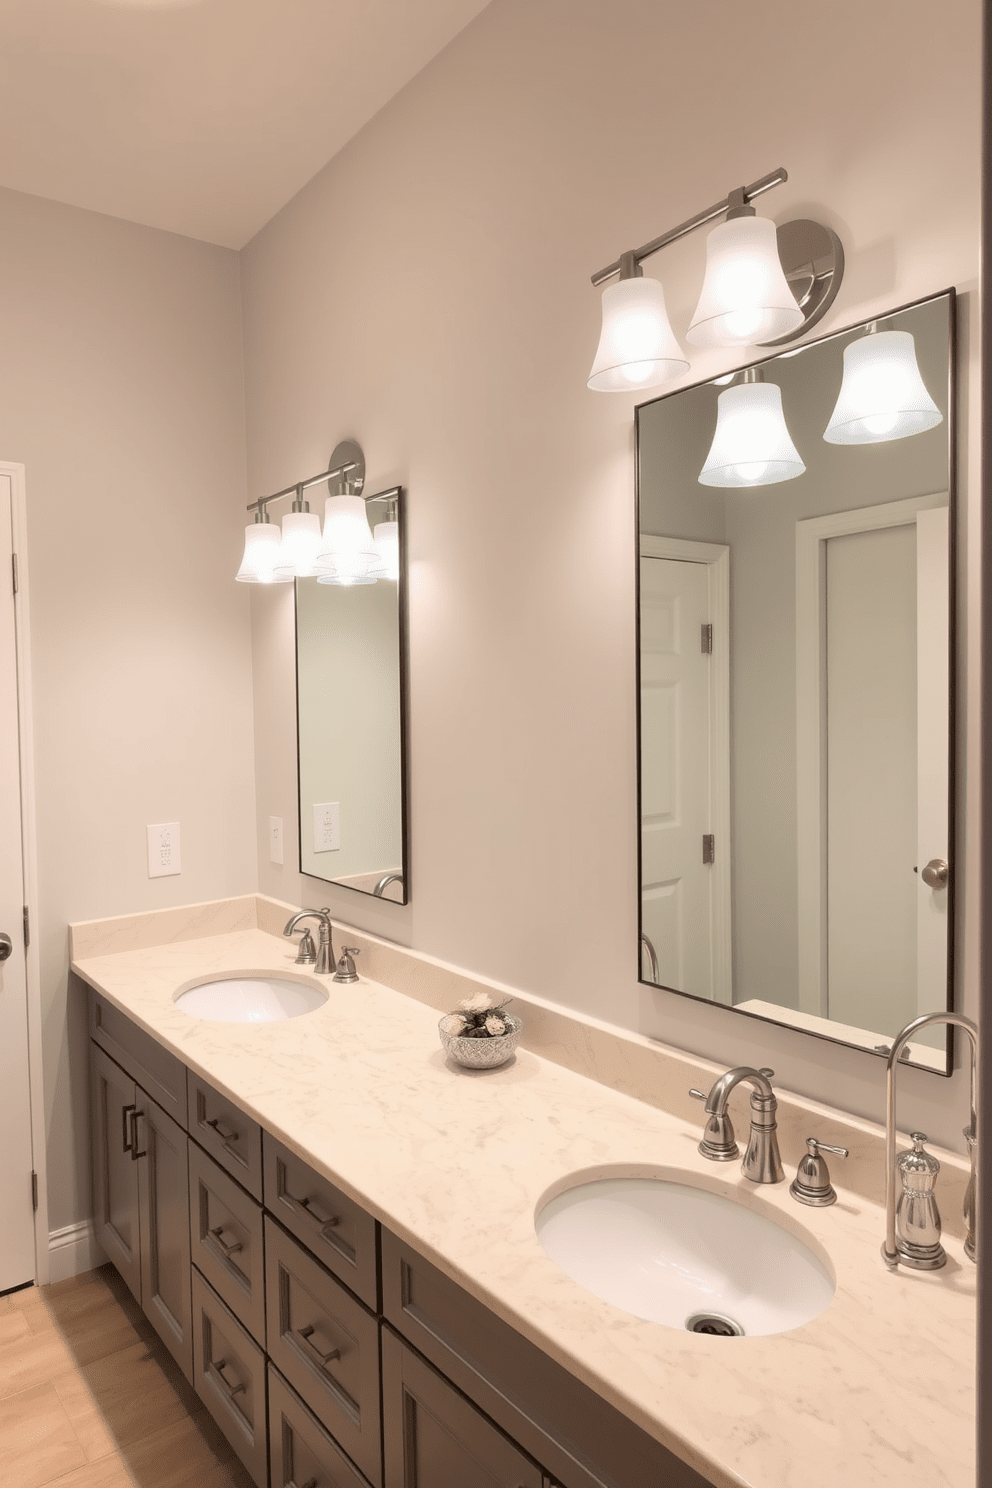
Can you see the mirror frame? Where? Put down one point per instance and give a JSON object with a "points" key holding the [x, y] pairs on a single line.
{"points": [[399, 493], [882, 1050]]}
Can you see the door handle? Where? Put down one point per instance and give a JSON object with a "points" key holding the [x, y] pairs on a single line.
{"points": [[936, 873], [135, 1117], [229, 1389], [228, 1250], [228, 1138], [311, 1349], [125, 1126], [6, 945], [302, 1207]]}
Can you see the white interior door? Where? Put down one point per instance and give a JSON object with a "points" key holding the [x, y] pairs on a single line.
{"points": [[675, 768], [933, 610], [16, 1209]]}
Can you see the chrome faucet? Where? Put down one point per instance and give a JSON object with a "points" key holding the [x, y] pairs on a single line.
{"points": [[762, 1163], [325, 949], [384, 882], [892, 1253], [652, 956]]}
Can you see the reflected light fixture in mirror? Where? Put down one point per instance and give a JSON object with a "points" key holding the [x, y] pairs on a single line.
{"points": [[883, 395], [752, 445], [762, 285], [386, 536]]}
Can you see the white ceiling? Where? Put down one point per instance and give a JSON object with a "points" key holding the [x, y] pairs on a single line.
{"points": [[200, 116]]}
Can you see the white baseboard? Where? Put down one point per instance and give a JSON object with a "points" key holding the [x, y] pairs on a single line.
{"points": [[72, 1251]]}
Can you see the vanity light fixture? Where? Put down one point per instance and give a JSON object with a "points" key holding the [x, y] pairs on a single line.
{"points": [[752, 445], [263, 550], [882, 394], [300, 540], [347, 554], [386, 536], [762, 286]]}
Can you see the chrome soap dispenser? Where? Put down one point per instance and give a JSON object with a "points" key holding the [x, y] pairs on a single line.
{"points": [[917, 1216]]}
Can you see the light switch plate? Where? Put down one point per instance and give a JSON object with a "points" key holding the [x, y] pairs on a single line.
{"points": [[327, 827], [275, 839], [164, 856]]}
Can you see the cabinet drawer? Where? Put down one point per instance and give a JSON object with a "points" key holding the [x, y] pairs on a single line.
{"points": [[300, 1450], [229, 1377], [226, 1240], [435, 1439], [337, 1230], [231, 1137], [327, 1346], [157, 1071], [582, 1440]]}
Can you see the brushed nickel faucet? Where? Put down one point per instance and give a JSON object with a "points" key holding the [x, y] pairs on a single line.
{"points": [[895, 1253], [324, 964], [762, 1163]]}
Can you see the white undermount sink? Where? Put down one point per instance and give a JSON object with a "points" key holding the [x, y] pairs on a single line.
{"points": [[679, 1255], [250, 999]]}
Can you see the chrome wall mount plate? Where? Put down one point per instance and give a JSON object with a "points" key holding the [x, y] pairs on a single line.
{"points": [[813, 259], [347, 452]]}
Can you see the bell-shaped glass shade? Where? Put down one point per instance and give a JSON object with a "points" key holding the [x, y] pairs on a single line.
{"points": [[347, 553], [637, 347], [386, 536], [745, 299], [882, 395], [752, 445], [262, 559], [301, 543]]}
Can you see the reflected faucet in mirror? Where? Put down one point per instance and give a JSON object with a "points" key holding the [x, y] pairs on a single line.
{"points": [[385, 881]]}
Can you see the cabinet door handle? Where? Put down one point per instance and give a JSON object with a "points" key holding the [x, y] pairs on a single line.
{"points": [[135, 1117], [303, 1334], [218, 1371], [228, 1138], [125, 1113], [228, 1250], [302, 1207]]}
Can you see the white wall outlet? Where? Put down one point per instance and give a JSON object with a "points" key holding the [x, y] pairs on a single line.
{"points": [[327, 827], [163, 850], [275, 839]]}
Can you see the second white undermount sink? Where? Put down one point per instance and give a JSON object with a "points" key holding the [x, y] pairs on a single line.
{"points": [[250, 999], [683, 1256]]}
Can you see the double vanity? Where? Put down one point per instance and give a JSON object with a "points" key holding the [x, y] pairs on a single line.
{"points": [[379, 1268]]}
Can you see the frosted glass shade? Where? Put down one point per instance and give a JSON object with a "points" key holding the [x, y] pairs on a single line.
{"points": [[882, 395], [347, 553], [261, 561], [745, 299], [752, 445], [386, 536], [637, 347], [301, 542]]}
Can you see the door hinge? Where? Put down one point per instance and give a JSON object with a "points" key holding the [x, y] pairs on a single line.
{"points": [[706, 639], [709, 848], [34, 1190], [13, 570], [26, 921]]}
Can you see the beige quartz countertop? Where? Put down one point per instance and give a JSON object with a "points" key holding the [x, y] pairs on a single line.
{"points": [[879, 1389]]}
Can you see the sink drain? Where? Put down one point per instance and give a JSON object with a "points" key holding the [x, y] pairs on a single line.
{"points": [[714, 1323]]}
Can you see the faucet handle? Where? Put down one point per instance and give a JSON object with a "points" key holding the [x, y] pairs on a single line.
{"points": [[697, 1095], [307, 954], [811, 1184], [346, 966]]}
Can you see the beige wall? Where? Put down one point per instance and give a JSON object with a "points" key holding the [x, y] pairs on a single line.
{"points": [[121, 392], [428, 293]]}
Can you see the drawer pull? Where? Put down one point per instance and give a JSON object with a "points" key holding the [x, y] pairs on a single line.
{"points": [[311, 1349], [229, 1389], [229, 1250], [228, 1138], [125, 1113], [134, 1118], [302, 1207]]}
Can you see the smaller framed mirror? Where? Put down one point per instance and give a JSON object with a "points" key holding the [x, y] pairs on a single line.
{"points": [[351, 691]]}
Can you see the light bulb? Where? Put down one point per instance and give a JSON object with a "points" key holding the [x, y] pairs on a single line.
{"points": [[882, 395], [637, 347], [752, 445], [745, 299]]}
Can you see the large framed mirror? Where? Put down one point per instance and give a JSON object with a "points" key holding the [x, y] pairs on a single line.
{"points": [[795, 684], [351, 721]]}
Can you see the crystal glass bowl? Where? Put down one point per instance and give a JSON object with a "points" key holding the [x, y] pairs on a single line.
{"points": [[480, 1053]]}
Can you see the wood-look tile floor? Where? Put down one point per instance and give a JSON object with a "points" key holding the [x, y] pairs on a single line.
{"points": [[89, 1397]]}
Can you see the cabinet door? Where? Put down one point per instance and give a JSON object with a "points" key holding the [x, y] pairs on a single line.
{"points": [[163, 1198], [434, 1438], [115, 1168], [300, 1451], [229, 1377]]}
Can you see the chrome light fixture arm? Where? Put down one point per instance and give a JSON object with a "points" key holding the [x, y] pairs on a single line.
{"points": [[890, 1251]]}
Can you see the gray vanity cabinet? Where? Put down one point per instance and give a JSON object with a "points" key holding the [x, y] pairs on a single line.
{"points": [[141, 1200], [229, 1377], [434, 1438]]}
